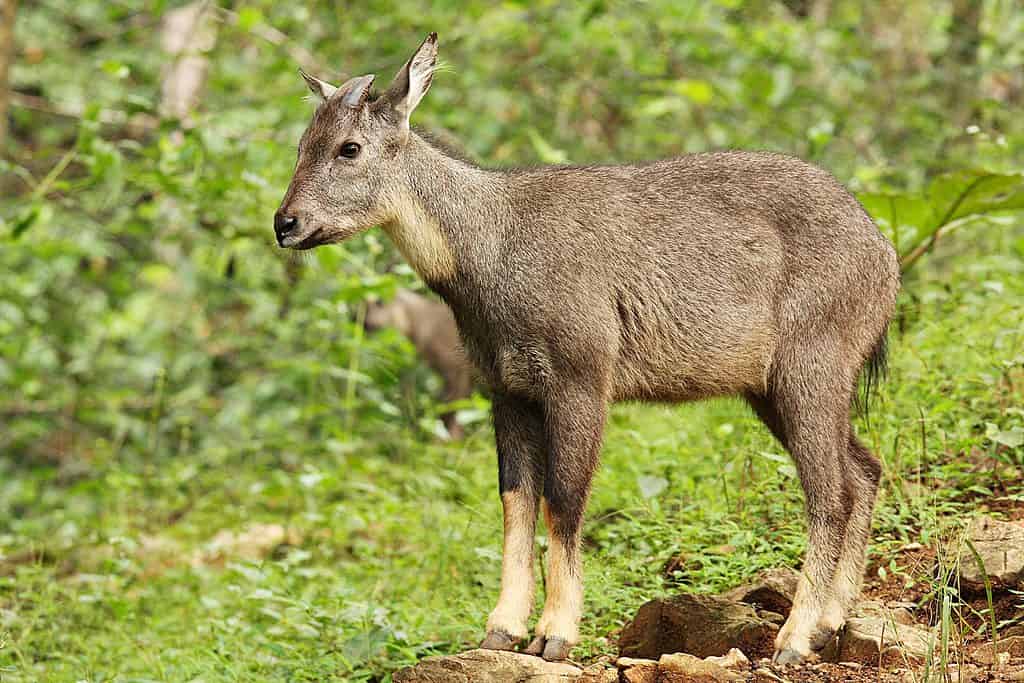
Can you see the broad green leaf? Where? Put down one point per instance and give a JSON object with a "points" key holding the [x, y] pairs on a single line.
{"points": [[911, 220], [1011, 438], [906, 219]]}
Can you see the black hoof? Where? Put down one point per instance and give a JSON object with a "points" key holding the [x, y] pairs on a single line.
{"points": [[552, 649], [497, 640], [536, 647], [556, 649]]}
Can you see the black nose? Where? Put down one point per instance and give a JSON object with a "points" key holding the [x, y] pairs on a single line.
{"points": [[284, 224]]}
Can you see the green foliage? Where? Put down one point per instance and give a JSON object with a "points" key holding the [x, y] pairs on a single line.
{"points": [[915, 222], [167, 376]]}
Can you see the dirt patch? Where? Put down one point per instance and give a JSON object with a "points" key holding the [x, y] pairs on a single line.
{"points": [[914, 581], [255, 542], [906, 576], [1006, 507], [1008, 608]]}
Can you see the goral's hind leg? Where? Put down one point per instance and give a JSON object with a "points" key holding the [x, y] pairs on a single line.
{"points": [[519, 433], [811, 395]]}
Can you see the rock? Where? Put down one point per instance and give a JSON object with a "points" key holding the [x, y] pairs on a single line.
{"points": [[903, 612], [488, 666], [1001, 548], [773, 590], [865, 637], [733, 659], [684, 668], [599, 673], [989, 652], [894, 612], [634, 670], [765, 675], [699, 625], [901, 615]]}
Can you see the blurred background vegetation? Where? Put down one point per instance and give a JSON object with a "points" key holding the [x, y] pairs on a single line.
{"points": [[167, 376]]}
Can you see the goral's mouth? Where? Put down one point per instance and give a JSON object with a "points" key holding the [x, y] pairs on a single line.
{"points": [[311, 240]]}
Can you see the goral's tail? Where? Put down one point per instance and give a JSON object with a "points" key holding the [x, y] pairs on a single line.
{"points": [[875, 369]]}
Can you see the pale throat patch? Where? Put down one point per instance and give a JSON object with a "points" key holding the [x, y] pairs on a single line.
{"points": [[421, 241]]}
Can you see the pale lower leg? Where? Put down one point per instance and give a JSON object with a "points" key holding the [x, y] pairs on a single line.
{"points": [[563, 600], [517, 585], [797, 637], [865, 472]]}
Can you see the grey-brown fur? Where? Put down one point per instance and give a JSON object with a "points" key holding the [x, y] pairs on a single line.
{"points": [[732, 273], [430, 326]]}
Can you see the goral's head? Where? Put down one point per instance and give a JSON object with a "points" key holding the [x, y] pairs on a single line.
{"points": [[352, 155]]}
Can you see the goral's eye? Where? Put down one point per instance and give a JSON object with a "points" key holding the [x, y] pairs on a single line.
{"points": [[349, 150]]}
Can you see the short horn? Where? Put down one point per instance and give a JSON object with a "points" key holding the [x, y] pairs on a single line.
{"points": [[356, 91]]}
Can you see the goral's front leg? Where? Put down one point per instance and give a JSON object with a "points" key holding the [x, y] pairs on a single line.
{"points": [[558, 628], [575, 424], [518, 429], [508, 622]]}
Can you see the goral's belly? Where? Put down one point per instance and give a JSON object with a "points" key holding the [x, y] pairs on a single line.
{"points": [[691, 370]]}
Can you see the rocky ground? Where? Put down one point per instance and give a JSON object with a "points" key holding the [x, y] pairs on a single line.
{"points": [[897, 633]]}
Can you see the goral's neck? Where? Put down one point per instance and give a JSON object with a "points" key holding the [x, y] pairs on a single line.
{"points": [[449, 217]]}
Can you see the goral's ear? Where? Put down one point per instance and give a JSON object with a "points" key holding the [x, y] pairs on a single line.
{"points": [[412, 81], [322, 89]]}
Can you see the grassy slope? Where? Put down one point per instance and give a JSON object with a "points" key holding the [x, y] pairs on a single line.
{"points": [[395, 541]]}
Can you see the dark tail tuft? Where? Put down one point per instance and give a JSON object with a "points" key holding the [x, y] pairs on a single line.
{"points": [[875, 369]]}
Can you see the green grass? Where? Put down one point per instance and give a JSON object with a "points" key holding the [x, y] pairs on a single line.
{"points": [[166, 379], [395, 539]]}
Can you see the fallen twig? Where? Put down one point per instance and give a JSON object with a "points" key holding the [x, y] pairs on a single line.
{"points": [[135, 124]]}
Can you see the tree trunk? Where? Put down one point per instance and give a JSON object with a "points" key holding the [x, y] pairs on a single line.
{"points": [[817, 10], [965, 32], [188, 34], [798, 8], [962, 58], [7, 8]]}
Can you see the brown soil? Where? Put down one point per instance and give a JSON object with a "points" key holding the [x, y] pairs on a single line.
{"points": [[1012, 510], [841, 673], [911, 581]]}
